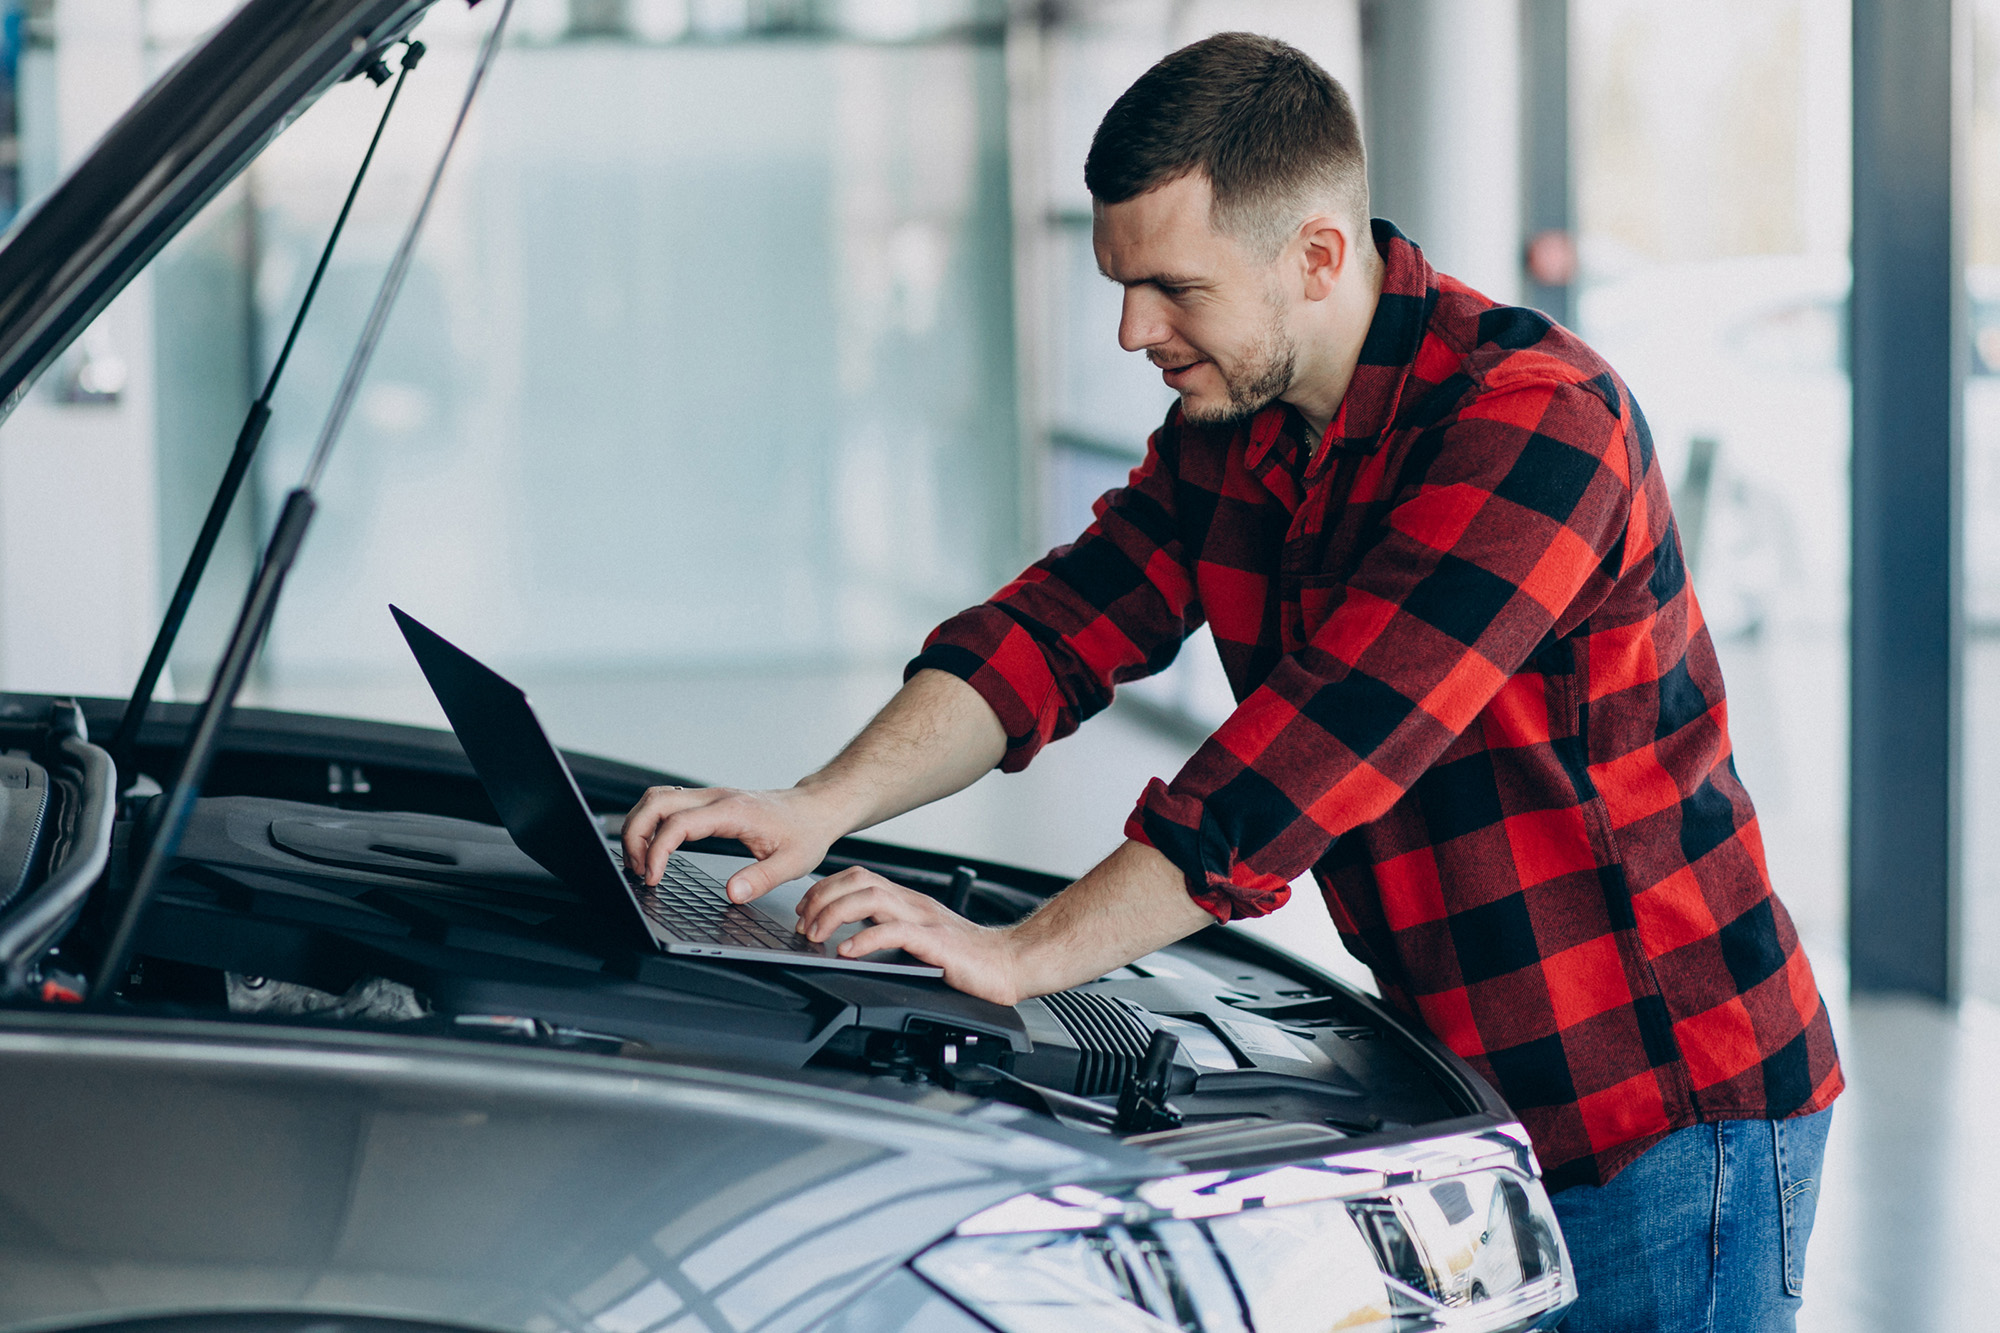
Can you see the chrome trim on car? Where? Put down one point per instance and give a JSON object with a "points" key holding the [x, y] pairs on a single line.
{"points": [[1219, 1193]]}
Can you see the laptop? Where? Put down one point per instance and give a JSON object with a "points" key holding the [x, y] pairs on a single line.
{"points": [[544, 812]]}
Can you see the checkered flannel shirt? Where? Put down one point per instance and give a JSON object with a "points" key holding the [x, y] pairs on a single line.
{"points": [[1475, 698]]}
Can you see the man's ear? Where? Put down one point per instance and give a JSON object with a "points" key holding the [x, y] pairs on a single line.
{"points": [[1325, 254]]}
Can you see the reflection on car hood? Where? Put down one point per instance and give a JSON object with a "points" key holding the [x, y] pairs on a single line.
{"points": [[194, 1167], [189, 136]]}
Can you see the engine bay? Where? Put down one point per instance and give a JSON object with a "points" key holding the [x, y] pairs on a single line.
{"points": [[339, 873], [290, 910]]}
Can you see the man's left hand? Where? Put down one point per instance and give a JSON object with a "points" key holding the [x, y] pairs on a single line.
{"points": [[1136, 901], [976, 959]]}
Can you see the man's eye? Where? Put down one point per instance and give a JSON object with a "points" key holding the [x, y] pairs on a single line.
{"points": [[1174, 292]]}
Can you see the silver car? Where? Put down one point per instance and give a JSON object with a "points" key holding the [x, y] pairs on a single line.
{"points": [[361, 1063]]}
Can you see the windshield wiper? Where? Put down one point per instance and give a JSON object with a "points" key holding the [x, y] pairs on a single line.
{"points": [[174, 808], [125, 741]]}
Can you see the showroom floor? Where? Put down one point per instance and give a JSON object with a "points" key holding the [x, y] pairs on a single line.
{"points": [[1909, 1230]]}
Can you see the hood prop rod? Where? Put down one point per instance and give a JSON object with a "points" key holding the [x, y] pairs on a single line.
{"points": [[125, 741], [254, 620]]}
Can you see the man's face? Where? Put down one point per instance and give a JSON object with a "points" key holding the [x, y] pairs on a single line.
{"points": [[1201, 307]]}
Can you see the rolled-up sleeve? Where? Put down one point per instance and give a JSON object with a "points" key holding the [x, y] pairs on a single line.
{"points": [[1512, 531], [1048, 650]]}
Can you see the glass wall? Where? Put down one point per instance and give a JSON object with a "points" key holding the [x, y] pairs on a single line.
{"points": [[747, 342], [1712, 151], [757, 337], [706, 358], [1980, 880]]}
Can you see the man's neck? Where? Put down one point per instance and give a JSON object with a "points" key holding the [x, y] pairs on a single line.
{"points": [[1328, 358]]}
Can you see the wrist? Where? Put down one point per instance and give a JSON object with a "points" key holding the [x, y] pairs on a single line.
{"points": [[1013, 964], [830, 806]]}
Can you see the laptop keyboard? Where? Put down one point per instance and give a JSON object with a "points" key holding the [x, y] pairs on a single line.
{"points": [[689, 904]]}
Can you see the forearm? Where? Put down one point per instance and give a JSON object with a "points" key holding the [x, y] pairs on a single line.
{"points": [[1134, 902], [935, 737]]}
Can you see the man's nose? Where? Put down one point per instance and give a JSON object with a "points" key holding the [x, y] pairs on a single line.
{"points": [[1139, 322]]}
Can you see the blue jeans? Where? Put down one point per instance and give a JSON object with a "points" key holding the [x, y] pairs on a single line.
{"points": [[1706, 1231]]}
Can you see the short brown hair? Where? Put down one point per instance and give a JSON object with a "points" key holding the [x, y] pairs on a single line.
{"points": [[1274, 133]]}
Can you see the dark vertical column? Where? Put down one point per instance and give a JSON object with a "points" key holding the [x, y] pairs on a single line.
{"points": [[1548, 208], [1908, 368], [1396, 112], [10, 124]]}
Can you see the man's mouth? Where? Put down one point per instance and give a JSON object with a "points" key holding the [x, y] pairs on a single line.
{"points": [[1176, 375]]}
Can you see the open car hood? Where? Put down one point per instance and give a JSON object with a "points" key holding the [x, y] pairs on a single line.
{"points": [[187, 137]]}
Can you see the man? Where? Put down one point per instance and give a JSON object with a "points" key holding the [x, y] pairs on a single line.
{"points": [[1476, 700]]}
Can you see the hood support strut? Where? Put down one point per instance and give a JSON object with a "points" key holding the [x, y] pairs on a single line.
{"points": [[125, 741], [167, 816]]}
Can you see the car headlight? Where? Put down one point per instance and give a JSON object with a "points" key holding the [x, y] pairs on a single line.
{"points": [[1445, 1235]]}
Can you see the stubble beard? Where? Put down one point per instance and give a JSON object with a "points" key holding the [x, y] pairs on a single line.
{"points": [[1266, 372]]}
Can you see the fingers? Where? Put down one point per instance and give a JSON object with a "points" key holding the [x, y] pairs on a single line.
{"points": [[657, 804], [760, 877], [836, 901], [860, 895], [787, 843], [665, 818], [973, 957], [911, 938], [682, 826], [815, 899]]}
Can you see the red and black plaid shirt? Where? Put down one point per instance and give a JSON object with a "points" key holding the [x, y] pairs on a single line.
{"points": [[1475, 698]]}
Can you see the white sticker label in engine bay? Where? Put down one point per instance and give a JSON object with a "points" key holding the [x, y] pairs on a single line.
{"points": [[1259, 1039]]}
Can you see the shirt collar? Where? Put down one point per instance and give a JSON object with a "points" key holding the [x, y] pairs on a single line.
{"points": [[1409, 294]]}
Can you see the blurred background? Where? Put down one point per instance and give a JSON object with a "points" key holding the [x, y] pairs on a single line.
{"points": [[751, 338]]}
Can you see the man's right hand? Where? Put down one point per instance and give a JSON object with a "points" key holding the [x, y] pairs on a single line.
{"points": [[937, 736], [788, 832]]}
